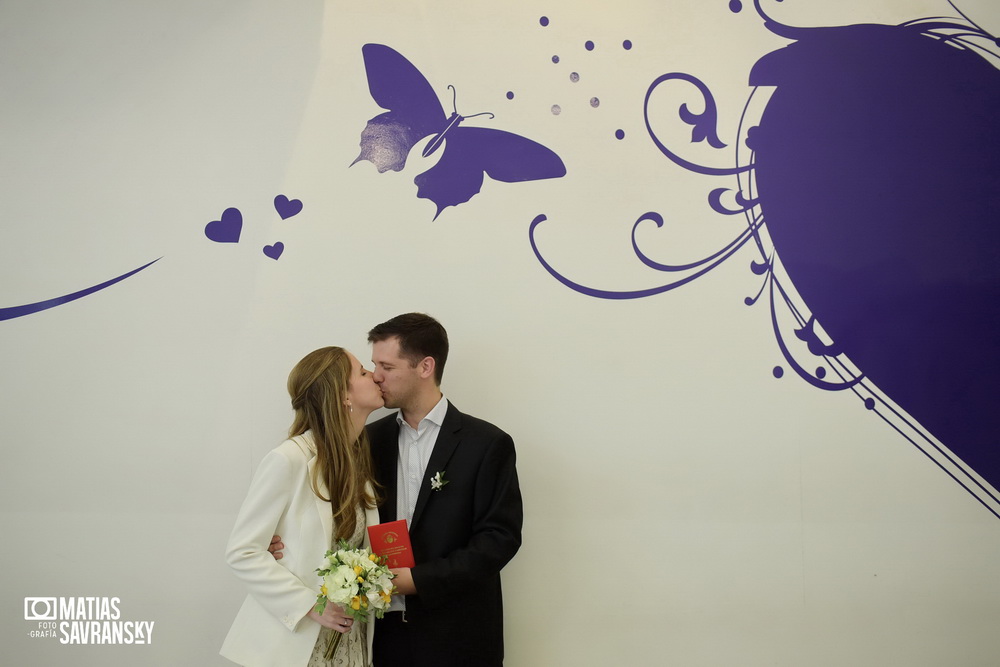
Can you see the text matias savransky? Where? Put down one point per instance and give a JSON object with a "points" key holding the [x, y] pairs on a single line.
{"points": [[85, 620]]}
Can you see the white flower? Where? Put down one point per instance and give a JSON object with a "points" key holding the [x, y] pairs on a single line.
{"points": [[438, 481], [382, 581], [375, 599], [341, 584]]}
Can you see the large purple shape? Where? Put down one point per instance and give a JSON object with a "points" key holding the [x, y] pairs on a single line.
{"points": [[878, 171], [875, 171]]}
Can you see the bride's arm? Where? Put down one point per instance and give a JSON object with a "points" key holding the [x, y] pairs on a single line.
{"points": [[279, 591]]}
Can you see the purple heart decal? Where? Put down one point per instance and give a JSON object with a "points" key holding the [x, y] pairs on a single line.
{"points": [[227, 229], [285, 207], [274, 251]]}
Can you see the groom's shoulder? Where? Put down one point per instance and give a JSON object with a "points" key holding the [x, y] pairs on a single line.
{"points": [[383, 427], [478, 427]]}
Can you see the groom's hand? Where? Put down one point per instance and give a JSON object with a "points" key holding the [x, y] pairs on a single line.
{"points": [[403, 581], [275, 547]]}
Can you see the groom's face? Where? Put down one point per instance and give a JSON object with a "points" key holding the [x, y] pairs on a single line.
{"points": [[398, 379]]}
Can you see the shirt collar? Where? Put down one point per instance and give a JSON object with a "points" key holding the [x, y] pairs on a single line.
{"points": [[435, 416]]}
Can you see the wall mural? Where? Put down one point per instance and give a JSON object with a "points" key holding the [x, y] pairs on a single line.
{"points": [[868, 181], [30, 308], [415, 113], [865, 166], [228, 227]]}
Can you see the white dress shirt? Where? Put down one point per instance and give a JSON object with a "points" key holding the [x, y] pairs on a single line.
{"points": [[415, 447]]}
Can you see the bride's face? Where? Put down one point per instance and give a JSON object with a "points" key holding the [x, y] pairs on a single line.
{"points": [[362, 391]]}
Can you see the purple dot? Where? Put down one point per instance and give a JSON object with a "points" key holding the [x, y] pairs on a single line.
{"points": [[627, 44], [821, 372], [594, 102], [574, 77], [778, 371], [555, 59], [544, 21], [869, 404], [735, 6], [589, 45], [556, 109], [510, 94], [619, 134]]}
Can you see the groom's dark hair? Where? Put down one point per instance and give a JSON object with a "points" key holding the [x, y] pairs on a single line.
{"points": [[419, 336]]}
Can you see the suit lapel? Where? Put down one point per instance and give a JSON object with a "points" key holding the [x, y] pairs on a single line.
{"points": [[448, 438]]}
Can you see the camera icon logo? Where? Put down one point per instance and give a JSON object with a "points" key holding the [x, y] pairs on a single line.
{"points": [[40, 609]]}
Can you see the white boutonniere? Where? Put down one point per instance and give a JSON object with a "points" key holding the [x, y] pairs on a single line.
{"points": [[438, 481]]}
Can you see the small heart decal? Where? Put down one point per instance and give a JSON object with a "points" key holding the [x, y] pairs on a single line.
{"points": [[226, 229], [274, 251], [286, 207]]}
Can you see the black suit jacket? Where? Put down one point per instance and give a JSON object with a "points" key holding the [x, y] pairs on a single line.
{"points": [[462, 535]]}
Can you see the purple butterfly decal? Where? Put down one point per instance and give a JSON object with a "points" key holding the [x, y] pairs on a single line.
{"points": [[414, 112]]}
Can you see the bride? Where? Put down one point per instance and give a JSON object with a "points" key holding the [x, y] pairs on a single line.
{"points": [[313, 489]]}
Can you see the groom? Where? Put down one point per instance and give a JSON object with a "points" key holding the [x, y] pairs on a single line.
{"points": [[463, 532]]}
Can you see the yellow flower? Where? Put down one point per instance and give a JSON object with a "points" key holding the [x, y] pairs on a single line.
{"points": [[355, 603], [357, 569], [372, 557], [322, 589]]}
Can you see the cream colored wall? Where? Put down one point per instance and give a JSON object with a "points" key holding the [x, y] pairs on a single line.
{"points": [[683, 506]]}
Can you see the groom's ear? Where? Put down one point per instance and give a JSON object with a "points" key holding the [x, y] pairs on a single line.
{"points": [[426, 367]]}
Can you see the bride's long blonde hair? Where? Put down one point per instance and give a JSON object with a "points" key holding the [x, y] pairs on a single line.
{"points": [[318, 386]]}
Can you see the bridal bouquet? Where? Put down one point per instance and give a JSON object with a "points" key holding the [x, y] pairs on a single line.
{"points": [[359, 581]]}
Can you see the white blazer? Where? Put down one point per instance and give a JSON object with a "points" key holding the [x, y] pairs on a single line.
{"points": [[271, 628]]}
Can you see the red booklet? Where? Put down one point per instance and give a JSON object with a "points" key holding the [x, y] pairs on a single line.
{"points": [[392, 540]]}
